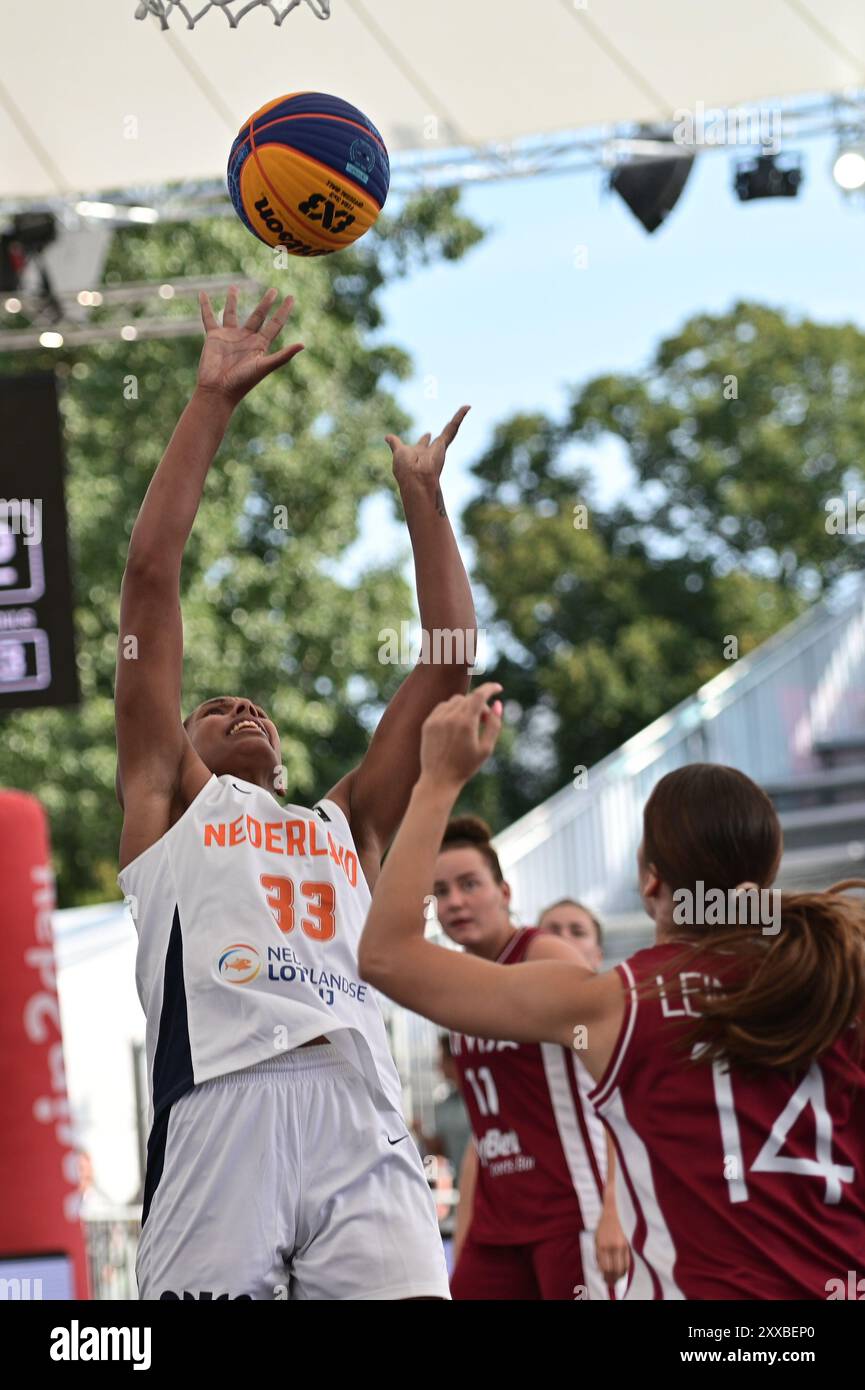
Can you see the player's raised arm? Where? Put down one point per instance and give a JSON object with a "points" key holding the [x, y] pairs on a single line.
{"points": [[151, 742], [375, 794], [539, 1001]]}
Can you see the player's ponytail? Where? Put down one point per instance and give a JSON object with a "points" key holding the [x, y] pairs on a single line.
{"points": [[789, 995], [470, 832], [791, 983]]}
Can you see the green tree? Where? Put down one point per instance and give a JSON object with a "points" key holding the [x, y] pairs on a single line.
{"points": [[740, 430], [264, 612]]}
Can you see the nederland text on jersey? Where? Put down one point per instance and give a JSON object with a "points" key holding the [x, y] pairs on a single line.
{"points": [[280, 837]]}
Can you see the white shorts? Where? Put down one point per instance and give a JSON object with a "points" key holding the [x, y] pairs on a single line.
{"points": [[281, 1182]]}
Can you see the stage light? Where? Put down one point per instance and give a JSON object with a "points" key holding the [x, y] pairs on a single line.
{"points": [[96, 209], [72, 318], [119, 212], [33, 230], [652, 180], [26, 237], [848, 171], [768, 176]]}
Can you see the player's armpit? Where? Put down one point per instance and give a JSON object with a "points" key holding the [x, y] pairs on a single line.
{"points": [[340, 793], [367, 843], [380, 787]]}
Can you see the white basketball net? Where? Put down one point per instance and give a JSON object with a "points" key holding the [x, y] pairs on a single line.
{"points": [[163, 9]]}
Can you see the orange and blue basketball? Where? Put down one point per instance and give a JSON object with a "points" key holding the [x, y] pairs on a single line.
{"points": [[308, 172]]}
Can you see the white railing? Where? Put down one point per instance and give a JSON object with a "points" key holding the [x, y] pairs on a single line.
{"points": [[764, 715]]}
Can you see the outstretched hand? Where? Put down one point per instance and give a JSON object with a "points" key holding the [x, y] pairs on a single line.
{"points": [[426, 458], [235, 358], [459, 735]]}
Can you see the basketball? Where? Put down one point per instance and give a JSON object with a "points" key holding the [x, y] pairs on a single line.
{"points": [[308, 172]]}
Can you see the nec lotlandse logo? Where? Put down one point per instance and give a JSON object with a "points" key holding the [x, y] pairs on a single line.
{"points": [[239, 964]]}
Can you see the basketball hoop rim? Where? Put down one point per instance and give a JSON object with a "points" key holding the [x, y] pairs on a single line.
{"points": [[279, 9]]}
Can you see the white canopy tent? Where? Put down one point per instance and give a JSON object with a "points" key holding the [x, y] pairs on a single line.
{"points": [[92, 99]]}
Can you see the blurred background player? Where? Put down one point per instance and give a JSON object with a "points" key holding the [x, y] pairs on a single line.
{"points": [[532, 1186], [273, 1091], [573, 921], [728, 1060], [444, 1148], [452, 1126]]}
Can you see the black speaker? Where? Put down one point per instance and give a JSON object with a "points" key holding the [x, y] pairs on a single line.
{"points": [[651, 187]]}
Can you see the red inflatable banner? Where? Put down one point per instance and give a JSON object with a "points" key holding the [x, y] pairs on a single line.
{"points": [[40, 1227]]}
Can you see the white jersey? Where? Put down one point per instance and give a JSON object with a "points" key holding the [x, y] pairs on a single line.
{"points": [[249, 914]]}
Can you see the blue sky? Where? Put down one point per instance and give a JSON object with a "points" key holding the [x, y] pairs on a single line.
{"points": [[516, 322]]}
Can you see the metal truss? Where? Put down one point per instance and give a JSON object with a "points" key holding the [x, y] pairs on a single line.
{"points": [[103, 315], [563, 153], [794, 122]]}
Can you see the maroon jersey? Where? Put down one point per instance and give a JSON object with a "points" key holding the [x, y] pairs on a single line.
{"points": [[541, 1149], [729, 1185]]}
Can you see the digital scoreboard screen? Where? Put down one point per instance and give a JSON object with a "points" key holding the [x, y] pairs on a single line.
{"points": [[37, 641]]}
